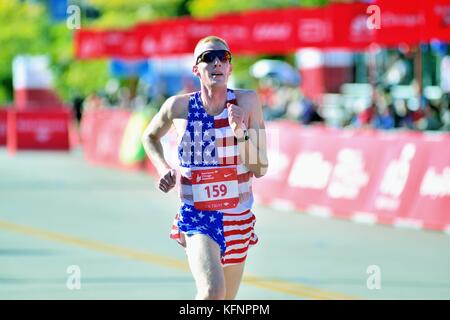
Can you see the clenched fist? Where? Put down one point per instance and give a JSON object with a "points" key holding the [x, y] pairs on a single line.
{"points": [[237, 117], [168, 180]]}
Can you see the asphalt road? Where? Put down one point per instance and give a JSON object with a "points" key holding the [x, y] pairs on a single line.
{"points": [[64, 223]]}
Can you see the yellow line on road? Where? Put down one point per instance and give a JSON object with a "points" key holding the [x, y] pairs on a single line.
{"points": [[96, 245], [276, 285], [295, 289]]}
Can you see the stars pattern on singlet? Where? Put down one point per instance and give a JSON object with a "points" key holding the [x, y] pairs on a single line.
{"points": [[197, 145]]}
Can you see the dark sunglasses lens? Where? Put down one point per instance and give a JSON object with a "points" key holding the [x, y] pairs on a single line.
{"points": [[226, 56], [210, 56]]}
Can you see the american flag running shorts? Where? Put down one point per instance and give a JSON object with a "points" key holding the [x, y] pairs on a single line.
{"points": [[234, 233]]}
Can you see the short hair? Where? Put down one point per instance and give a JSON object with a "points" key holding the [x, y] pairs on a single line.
{"points": [[213, 39]]}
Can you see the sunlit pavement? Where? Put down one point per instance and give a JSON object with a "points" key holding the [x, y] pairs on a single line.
{"points": [[59, 214]]}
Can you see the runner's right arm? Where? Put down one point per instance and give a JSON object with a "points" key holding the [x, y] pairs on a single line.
{"points": [[151, 140]]}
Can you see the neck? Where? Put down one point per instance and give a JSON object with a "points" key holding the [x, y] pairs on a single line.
{"points": [[213, 98]]}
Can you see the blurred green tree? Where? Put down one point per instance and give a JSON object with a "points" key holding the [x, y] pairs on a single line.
{"points": [[208, 8], [26, 28], [21, 31]]}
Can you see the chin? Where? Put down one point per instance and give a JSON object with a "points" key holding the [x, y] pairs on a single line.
{"points": [[217, 83]]}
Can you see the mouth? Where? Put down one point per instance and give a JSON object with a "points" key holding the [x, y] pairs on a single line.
{"points": [[216, 74]]}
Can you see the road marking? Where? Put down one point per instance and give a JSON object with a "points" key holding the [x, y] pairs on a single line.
{"points": [[295, 289], [95, 245], [277, 285]]}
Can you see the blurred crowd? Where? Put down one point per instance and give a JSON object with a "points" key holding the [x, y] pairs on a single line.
{"points": [[394, 101], [382, 111]]}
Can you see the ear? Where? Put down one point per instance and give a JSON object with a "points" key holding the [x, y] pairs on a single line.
{"points": [[195, 70]]}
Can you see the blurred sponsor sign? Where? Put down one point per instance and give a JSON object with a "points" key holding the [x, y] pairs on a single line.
{"points": [[40, 129], [392, 178], [102, 134]]}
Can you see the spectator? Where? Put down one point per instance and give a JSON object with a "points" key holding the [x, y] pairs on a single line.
{"points": [[302, 109], [93, 102], [431, 117], [364, 114], [398, 71], [77, 105], [403, 116], [445, 75], [445, 112], [275, 98], [384, 117]]}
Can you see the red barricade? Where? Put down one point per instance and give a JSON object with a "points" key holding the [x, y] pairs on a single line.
{"points": [[101, 135], [399, 178], [40, 129], [3, 118]]}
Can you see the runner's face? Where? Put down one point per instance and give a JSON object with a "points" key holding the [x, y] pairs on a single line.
{"points": [[214, 73]]}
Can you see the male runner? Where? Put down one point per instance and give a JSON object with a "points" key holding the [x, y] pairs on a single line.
{"points": [[222, 146]]}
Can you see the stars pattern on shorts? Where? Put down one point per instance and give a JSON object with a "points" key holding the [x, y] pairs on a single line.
{"points": [[211, 222]]}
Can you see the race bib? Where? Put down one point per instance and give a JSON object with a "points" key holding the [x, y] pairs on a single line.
{"points": [[215, 188]]}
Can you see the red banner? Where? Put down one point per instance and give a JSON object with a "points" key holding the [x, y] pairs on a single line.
{"points": [[88, 44], [402, 23], [438, 20], [278, 31], [164, 38]]}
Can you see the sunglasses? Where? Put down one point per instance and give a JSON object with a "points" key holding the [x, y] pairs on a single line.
{"points": [[210, 56]]}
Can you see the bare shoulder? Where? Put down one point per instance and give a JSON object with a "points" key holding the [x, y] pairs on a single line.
{"points": [[247, 98], [177, 106]]}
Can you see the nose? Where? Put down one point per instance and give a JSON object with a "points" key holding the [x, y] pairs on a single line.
{"points": [[217, 62]]}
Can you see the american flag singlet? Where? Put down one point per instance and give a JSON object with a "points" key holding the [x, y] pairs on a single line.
{"points": [[209, 142]]}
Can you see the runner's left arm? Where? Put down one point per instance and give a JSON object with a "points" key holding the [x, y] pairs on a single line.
{"points": [[254, 150]]}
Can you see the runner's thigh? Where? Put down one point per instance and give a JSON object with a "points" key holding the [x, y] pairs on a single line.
{"points": [[204, 260]]}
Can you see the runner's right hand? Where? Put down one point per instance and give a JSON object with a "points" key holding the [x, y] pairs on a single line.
{"points": [[168, 180]]}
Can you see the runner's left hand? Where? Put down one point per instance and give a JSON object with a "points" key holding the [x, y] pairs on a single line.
{"points": [[237, 117]]}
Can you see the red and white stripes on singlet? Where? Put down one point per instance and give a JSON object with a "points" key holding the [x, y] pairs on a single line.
{"points": [[227, 154]]}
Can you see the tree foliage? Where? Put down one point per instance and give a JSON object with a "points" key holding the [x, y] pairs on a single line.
{"points": [[21, 31], [26, 28], [208, 8]]}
